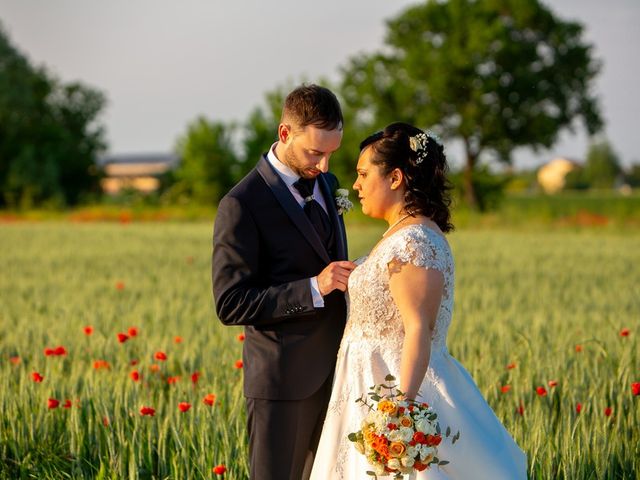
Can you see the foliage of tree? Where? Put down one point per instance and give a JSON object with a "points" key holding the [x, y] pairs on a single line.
{"points": [[495, 74], [602, 167], [208, 162], [49, 137]]}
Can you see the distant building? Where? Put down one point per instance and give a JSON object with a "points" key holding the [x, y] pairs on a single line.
{"points": [[552, 176], [140, 172]]}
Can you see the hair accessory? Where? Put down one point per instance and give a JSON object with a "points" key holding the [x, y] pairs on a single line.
{"points": [[418, 143]]}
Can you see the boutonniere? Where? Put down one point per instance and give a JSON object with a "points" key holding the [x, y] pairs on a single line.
{"points": [[342, 201]]}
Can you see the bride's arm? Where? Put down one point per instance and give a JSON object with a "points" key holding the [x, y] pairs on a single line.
{"points": [[417, 292]]}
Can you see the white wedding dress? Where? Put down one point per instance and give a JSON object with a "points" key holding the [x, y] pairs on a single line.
{"points": [[371, 348]]}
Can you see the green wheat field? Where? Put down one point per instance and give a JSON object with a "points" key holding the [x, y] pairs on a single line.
{"points": [[543, 321]]}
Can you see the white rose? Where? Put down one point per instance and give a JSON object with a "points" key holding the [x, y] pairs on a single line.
{"points": [[393, 463], [411, 452], [407, 461], [425, 426], [396, 436], [406, 433], [379, 469]]}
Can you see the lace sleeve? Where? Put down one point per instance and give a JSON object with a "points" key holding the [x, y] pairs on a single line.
{"points": [[418, 246]]}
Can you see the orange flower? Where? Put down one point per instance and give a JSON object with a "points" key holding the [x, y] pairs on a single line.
{"points": [[105, 421], [154, 367], [397, 449], [122, 337], [511, 366], [119, 285], [553, 383], [160, 356], [135, 376], [388, 407], [173, 380], [209, 399], [98, 364], [184, 406], [405, 421], [241, 337], [88, 330], [15, 360], [505, 388], [132, 331], [52, 403], [219, 469], [37, 377], [147, 411], [578, 348], [177, 339], [239, 364]]}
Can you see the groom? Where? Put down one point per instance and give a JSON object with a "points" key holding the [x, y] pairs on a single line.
{"points": [[280, 270]]}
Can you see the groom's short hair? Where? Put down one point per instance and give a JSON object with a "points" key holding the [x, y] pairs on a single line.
{"points": [[312, 105]]}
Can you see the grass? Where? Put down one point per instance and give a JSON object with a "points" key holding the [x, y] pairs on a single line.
{"points": [[523, 298]]}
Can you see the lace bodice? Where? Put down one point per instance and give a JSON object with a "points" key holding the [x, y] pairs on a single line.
{"points": [[374, 318]]}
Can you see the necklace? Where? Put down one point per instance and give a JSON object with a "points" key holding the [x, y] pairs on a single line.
{"points": [[396, 223]]}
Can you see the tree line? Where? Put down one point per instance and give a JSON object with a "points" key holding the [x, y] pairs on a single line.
{"points": [[493, 74]]}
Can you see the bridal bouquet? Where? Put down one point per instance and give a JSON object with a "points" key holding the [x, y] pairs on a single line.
{"points": [[398, 436]]}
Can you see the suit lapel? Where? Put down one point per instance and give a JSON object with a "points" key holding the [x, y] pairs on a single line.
{"points": [[291, 207], [336, 220]]}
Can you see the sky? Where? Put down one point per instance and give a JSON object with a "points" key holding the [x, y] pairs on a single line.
{"points": [[162, 63]]}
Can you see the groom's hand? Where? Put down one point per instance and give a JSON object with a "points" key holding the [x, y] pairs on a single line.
{"points": [[335, 276]]}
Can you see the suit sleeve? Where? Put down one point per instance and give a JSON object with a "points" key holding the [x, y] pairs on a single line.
{"points": [[240, 298]]}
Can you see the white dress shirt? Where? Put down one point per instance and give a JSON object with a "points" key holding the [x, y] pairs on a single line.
{"points": [[289, 177]]}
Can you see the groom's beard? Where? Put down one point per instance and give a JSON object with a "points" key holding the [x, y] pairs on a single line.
{"points": [[291, 160]]}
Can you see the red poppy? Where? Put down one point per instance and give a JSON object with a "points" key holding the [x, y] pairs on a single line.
{"points": [[635, 388], [624, 332], [541, 391], [608, 411], [239, 364], [177, 340], [553, 383], [52, 403], [160, 356], [122, 337], [132, 331], [219, 469], [147, 411], [511, 366], [578, 348], [119, 285], [189, 260], [55, 352], [105, 421], [98, 364], [154, 367], [88, 330], [66, 404], [173, 380], [505, 388], [135, 376], [578, 407], [133, 362], [194, 377], [209, 399], [241, 337], [184, 406], [520, 409], [37, 377], [15, 360]]}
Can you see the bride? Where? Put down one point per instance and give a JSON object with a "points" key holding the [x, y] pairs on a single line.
{"points": [[400, 307]]}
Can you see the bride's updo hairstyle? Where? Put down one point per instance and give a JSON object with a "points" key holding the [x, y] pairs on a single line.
{"points": [[424, 165]]}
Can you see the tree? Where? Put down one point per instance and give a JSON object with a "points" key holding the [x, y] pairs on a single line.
{"points": [[208, 160], [49, 137], [602, 167], [496, 74]]}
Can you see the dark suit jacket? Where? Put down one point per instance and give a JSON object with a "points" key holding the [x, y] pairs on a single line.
{"points": [[265, 251]]}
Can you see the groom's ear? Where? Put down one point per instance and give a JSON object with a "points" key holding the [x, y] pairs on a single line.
{"points": [[284, 133]]}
